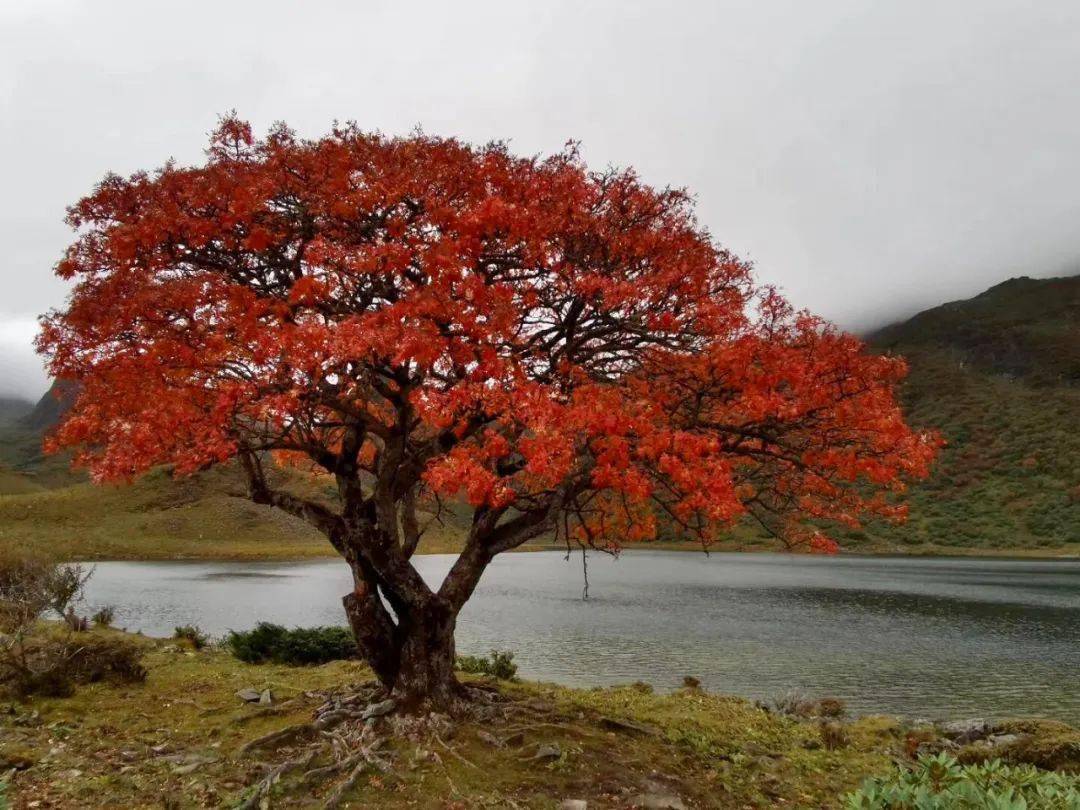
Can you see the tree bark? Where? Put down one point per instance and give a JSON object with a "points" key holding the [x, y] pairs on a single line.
{"points": [[413, 656], [425, 679]]}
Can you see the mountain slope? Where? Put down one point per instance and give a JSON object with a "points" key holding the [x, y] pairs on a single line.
{"points": [[999, 376]]}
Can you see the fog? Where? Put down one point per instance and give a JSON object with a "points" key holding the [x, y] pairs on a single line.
{"points": [[872, 159]]}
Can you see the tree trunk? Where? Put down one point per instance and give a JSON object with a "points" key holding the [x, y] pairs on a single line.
{"points": [[413, 658], [425, 678]]}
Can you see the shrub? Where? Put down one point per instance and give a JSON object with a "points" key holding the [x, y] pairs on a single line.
{"points": [[105, 616], [310, 645], [833, 734], [30, 586], [191, 633], [34, 659], [941, 783], [51, 664], [500, 665]]}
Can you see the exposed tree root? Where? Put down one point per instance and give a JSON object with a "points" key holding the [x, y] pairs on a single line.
{"points": [[343, 739]]}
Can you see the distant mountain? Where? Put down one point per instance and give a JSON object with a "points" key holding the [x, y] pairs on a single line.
{"points": [[53, 404], [999, 376], [23, 463], [12, 409], [1023, 328]]}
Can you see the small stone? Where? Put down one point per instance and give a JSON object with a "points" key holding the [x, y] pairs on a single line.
{"points": [[574, 804], [514, 740], [964, 731], [127, 768], [248, 695], [490, 739], [74, 773], [378, 709], [544, 751], [266, 697], [1003, 739], [159, 749], [657, 801]]}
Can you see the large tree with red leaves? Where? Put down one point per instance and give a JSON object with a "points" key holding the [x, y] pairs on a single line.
{"points": [[567, 352]]}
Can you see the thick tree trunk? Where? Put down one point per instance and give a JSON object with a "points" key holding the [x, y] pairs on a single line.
{"points": [[414, 657], [425, 677]]}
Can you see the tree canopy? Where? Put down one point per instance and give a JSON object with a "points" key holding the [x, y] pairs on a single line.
{"points": [[566, 351]]}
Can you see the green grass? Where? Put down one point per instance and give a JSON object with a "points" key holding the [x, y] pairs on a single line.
{"points": [[713, 751]]}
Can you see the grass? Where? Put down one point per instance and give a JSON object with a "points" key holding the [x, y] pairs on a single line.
{"points": [[180, 732], [207, 516]]}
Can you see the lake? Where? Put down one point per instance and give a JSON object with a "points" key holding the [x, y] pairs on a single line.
{"points": [[918, 637]]}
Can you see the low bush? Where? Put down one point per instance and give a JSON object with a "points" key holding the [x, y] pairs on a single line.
{"points": [[105, 616], [191, 633], [51, 664], [500, 665], [941, 783], [302, 645]]}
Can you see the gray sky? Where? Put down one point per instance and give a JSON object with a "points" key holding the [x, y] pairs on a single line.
{"points": [[872, 157]]}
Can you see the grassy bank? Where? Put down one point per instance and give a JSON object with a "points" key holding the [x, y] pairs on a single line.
{"points": [[179, 735], [177, 741], [209, 517]]}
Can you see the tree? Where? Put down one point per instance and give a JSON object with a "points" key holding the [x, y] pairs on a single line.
{"points": [[567, 352]]}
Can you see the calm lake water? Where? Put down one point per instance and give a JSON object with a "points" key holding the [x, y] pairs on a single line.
{"points": [[918, 637]]}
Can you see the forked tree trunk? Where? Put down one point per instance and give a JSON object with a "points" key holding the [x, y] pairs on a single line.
{"points": [[413, 657]]}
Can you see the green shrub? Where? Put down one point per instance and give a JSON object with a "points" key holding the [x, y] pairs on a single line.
{"points": [[302, 645], [941, 783], [500, 665], [191, 633], [104, 616]]}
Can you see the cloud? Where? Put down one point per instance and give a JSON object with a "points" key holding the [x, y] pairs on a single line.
{"points": [[21, 371], [871, 158]]}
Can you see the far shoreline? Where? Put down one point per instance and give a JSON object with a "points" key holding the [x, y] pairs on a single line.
{"points": [[307, 552]]}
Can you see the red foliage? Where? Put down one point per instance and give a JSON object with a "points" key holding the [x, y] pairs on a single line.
{"points": [[432, 316]]}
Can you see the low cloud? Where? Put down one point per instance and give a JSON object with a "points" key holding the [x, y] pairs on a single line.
{"points": [[22, 373]]}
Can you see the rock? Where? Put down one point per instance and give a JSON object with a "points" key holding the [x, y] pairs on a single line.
{"points": [[127, 768], [248, 695], [574, 804], [965, 731], [490, 739], [514, 740], [74, 773], [658, 801], [159, 749], [545, 751], [266, 697], [1002, 739], [378, 709], [193, 764]]}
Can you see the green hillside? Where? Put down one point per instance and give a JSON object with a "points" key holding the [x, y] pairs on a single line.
{"points": [[999, 376]]}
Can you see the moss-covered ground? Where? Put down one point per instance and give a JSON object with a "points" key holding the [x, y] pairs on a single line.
{"points": [[174, 741]]}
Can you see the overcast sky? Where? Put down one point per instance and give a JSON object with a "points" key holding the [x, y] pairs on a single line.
{"points": [[871, 157]]}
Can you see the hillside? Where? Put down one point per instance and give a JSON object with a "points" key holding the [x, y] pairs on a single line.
{"points": [[999, 376]]}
